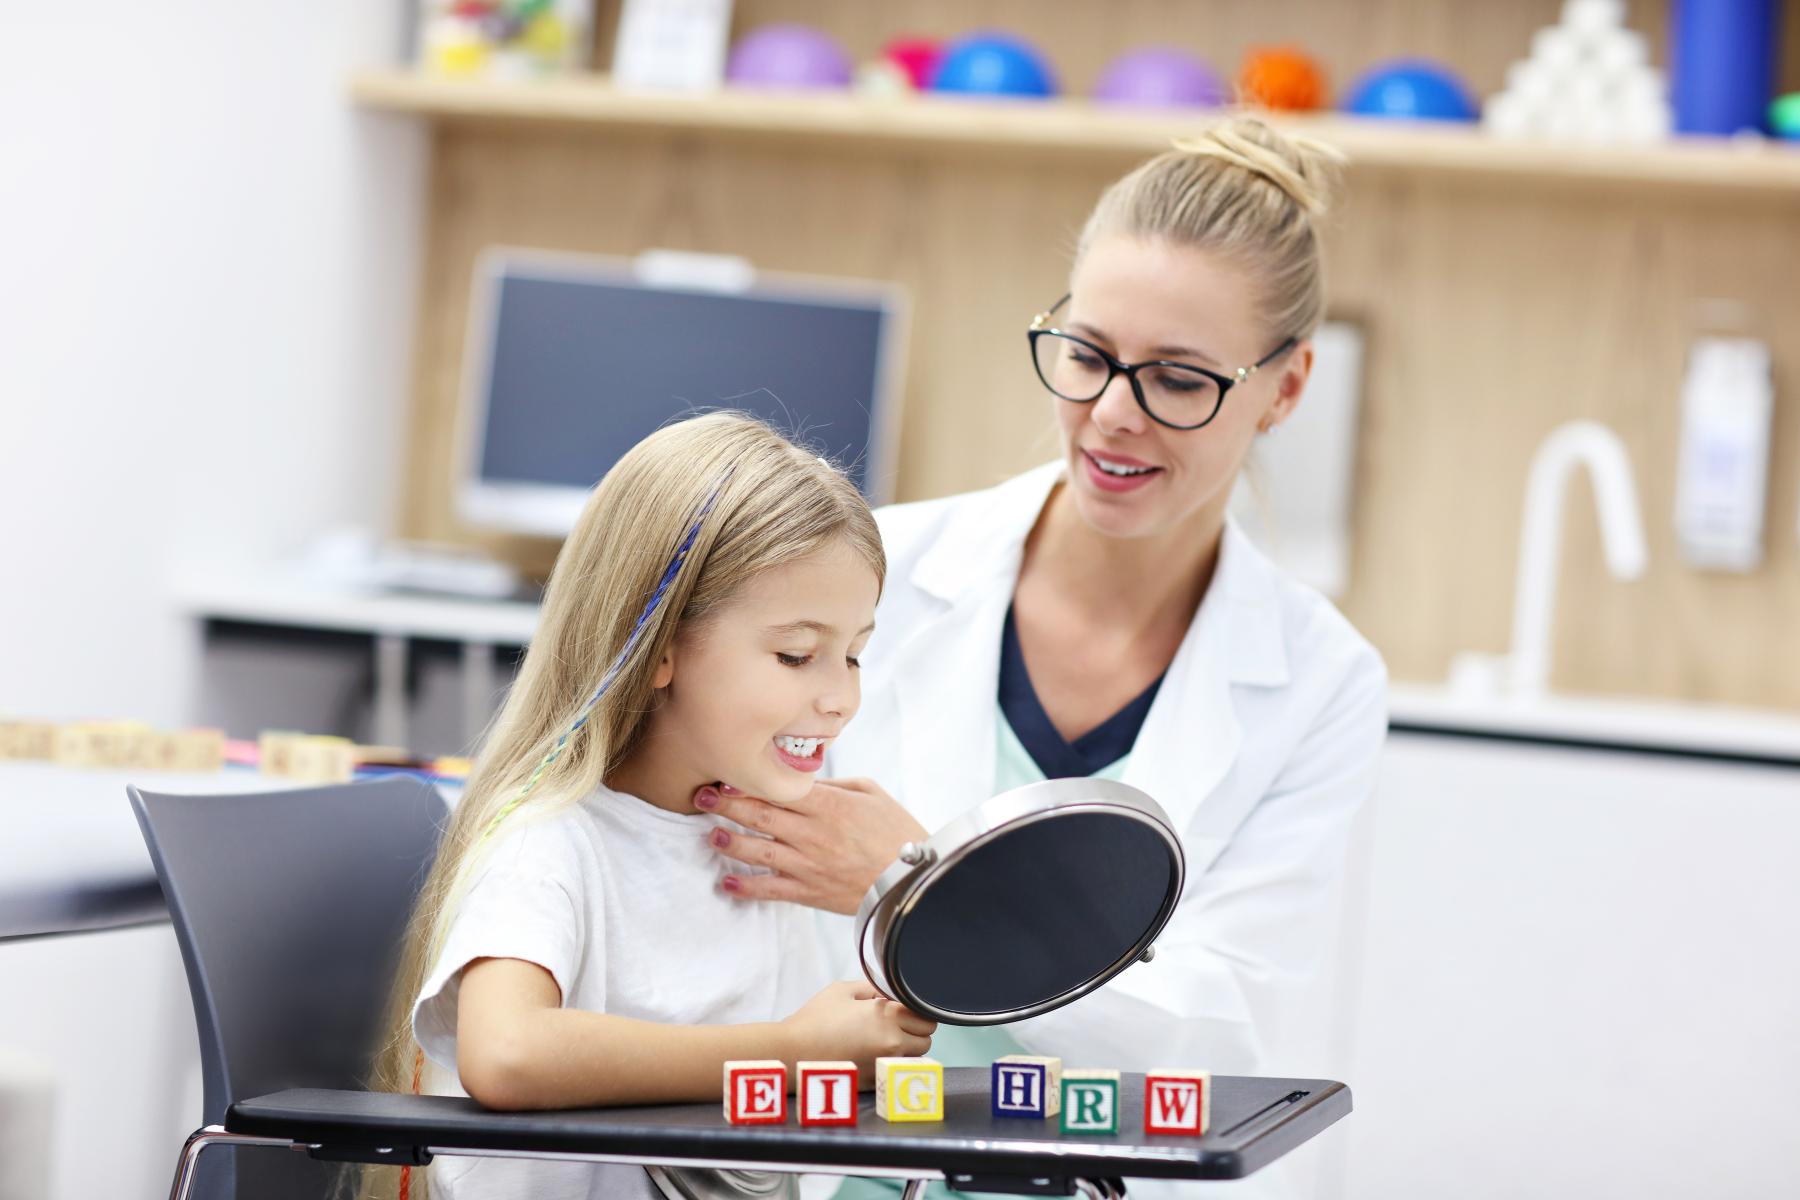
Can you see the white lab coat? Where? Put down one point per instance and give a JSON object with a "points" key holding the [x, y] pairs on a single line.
{"points": [[1261, 744]]}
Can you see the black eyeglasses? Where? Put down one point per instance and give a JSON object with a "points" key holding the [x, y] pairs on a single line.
{"points": [[1175, 394]]}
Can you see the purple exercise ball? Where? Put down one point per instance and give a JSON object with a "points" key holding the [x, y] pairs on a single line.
{"points": [[1159, 77], [788, 56]]}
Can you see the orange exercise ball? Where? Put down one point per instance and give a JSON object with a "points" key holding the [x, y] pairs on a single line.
{"points": [[1281, 77]]}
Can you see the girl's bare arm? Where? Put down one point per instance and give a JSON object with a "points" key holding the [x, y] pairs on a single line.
{"points": [[518, 1048]]}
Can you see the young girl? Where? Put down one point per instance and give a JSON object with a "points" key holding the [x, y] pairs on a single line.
{"points": [[572, 945]]}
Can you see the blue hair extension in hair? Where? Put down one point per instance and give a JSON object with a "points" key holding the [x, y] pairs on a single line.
{"points": [[624, 655]]}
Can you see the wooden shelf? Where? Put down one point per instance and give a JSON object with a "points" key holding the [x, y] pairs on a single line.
{"points": [[1070, 128]]}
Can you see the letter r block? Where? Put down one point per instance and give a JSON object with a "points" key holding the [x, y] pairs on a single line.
{"points": [[1090, 1102]]}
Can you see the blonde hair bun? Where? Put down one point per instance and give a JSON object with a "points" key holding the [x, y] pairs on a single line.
{"points": [[1242, 189], [1304, 168]]}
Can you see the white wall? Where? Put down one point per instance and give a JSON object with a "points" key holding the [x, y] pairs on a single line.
{"points": [[209, 276], [210, 265]]}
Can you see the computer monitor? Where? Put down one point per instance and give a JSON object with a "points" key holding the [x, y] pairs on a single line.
{"points": [[572, 360]]}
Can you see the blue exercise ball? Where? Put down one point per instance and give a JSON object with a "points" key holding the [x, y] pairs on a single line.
{"points": [[993, 64], [1413, 89]]}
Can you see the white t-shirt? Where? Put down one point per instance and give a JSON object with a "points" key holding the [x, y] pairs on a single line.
{"points": [[619, 901]]}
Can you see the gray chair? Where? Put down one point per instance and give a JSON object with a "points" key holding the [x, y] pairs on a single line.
{"points": [[289, 908]]}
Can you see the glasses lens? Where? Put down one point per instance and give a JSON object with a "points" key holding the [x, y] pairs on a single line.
{"points": [[1178, 395], [1070, 368]]}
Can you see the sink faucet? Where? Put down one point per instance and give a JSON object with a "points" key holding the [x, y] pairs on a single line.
{"points": [[1540, 539]]}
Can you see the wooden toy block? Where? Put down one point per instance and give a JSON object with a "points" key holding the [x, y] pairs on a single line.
{"points": [[111, 744], [1090, 1101], [1177, 1101], [324, 760], [1027, 1085], [198, 751], [275, 751], [76, 745], [826, 1092], [909, 1089], [27, 739], [756, 1091]]}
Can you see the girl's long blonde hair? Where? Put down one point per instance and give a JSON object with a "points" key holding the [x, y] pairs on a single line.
{"points": [[772, 503], [1242, 189]]}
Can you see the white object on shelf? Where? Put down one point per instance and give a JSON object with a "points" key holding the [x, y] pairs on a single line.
{"points": [[672, 44], [1722, 482], [1593, 16], [1586, 79]]}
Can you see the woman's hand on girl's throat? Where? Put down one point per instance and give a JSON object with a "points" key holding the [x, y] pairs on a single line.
{"points": [[826, 849]]}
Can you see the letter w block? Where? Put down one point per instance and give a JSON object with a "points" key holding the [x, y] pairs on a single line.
{"points": [[1177, 1101]]}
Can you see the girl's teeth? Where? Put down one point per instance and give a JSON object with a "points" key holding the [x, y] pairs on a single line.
{"points": [[1114, 469], [800, 747]]}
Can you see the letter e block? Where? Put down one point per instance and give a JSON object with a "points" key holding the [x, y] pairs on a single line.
{"points": [[756, 1091], [1177, 1101], [827, 1093]]}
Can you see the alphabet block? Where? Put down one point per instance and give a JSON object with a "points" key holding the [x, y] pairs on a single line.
{"points": [[756, 1091], [27, 739], [827, 1093], [198, 751], [909, 1089], [1177, 1101], [103, 744], [1027, 1085], [1090, 1101]]}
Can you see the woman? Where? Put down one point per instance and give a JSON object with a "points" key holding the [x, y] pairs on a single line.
{"points": [[1102, 615]]}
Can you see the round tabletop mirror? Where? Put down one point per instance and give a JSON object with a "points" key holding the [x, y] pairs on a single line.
{"points": [[1029, 901]]}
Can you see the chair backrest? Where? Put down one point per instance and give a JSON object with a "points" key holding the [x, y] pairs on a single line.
{"points": [[290, 909]]}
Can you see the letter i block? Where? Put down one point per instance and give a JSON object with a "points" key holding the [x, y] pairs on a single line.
{"points": [[1177, 1101], [1090, 1102], [909, 1089], [756, 1091], [1027, 1085], [827, 1093]]}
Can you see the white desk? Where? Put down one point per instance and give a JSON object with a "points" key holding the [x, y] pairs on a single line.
{"points": [[277, 597], [73, 858]]}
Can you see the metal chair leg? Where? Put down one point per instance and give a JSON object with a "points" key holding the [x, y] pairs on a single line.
{"points": [[915, 1189], [200, 1139]]}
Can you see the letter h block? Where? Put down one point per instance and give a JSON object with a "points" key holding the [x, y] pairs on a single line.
{"points": [[756, 1091], [1027, 1085]]}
